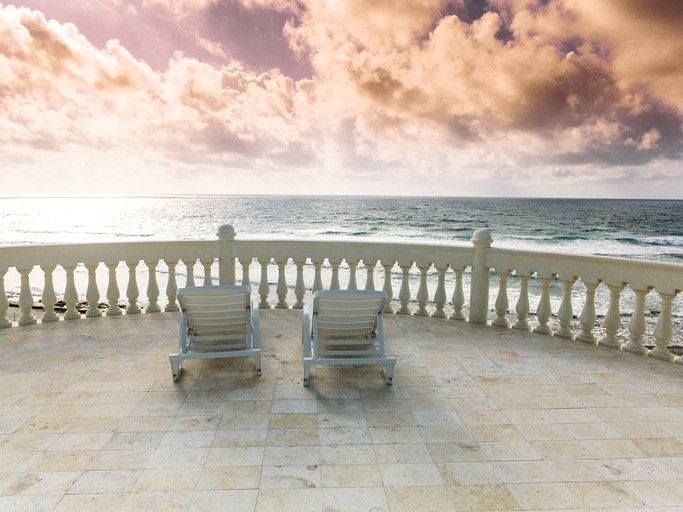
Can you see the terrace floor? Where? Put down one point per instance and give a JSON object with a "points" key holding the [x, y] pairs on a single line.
{"points": [[477, 419]]}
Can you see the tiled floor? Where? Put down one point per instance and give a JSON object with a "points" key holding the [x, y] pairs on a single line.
{"points": [[477, 419]]}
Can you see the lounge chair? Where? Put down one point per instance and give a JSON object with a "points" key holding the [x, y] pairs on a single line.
{"points": [[217, 322], [344, 327]]}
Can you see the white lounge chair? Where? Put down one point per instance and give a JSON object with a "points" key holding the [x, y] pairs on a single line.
{"points": [[217, 322], [344, 327]]}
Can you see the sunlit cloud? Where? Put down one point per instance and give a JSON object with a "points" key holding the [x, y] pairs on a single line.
{"points": [[500, 97]]}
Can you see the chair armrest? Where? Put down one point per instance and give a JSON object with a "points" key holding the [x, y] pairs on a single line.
{"points": [[306, 335], [256, 325]]}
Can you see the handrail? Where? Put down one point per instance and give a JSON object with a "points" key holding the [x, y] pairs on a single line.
{"points": [[429, 279]]}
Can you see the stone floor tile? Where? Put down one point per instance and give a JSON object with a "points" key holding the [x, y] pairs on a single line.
{"points": [[354, 499], [178, 458], [92, 502], [294, 406], [657, 494], [43, 503], [81, 441], [235, 456], [351, 475], [402, 475], [342, 420], [293, 420], [290, 477], [388, 435], [38, 483], [223, 500], [166, 479], [525, 471], [229, 477], [424, 499], [346, 454], [278, 500], [105, 482], [607, 495], [402, 453], [166, 501], [468, 473], [292, 455], [340, 406], [240, 437], [482, 497], [544, 496], [293, 437], [389, 419], [343, 435], [513, 450]]}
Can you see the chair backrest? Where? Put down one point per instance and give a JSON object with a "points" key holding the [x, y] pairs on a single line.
{"points": [[215, 308], [347, 312]]}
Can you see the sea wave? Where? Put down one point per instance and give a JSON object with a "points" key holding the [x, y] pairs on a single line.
{"points": [[666, 241]]}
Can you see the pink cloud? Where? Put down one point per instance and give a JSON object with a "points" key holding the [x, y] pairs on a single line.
{"points": [[377, 90]]}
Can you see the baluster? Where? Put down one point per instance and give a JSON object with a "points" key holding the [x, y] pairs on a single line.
{"points": [[422, 292], [264, 286], [663, 329], [458, 299], [544, 310], [49, 298], [189, 268], [636, 326], [25, 298], [70, 295], [613, 318], [152, 287], [522, 306], [404, 293], [440, 294], [246, 265], [502, 302], [334, 283], [132, 291], [387, 285], [281, 289], [352, 274], [92, 292], [588, 315], [4, 303], [171, 287], [207, 272], [113, 290], [565, 314], [317, 280], [370, 274], [300, 286]]}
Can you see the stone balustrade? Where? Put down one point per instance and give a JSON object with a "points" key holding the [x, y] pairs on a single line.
{"points": [[445, 281]]}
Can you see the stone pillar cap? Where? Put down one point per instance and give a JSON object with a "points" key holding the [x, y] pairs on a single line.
{"points": [[482, 236], [226, 231]]}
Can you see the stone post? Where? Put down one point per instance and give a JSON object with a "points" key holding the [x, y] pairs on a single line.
{"points": [[226, 260], [479, 284]]}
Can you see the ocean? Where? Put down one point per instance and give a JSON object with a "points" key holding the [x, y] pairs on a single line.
{"points": [[643, 229]]}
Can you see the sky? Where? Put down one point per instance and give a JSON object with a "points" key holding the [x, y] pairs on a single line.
{"points": [[542, 98]]}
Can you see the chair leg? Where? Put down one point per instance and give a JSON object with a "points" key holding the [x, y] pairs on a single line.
{"points": [[389, 372], [307, 371], [257, 362], [175, 368]]}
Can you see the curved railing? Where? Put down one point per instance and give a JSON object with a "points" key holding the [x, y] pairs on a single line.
{"points": [[445, 281]]}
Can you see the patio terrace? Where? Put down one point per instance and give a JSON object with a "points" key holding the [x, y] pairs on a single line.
{"points": [[478, 418]]}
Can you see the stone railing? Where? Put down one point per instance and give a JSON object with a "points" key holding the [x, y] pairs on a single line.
{"points": [[421, 279]]}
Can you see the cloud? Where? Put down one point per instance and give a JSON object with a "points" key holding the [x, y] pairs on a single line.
{"points": [[555, 91]]}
